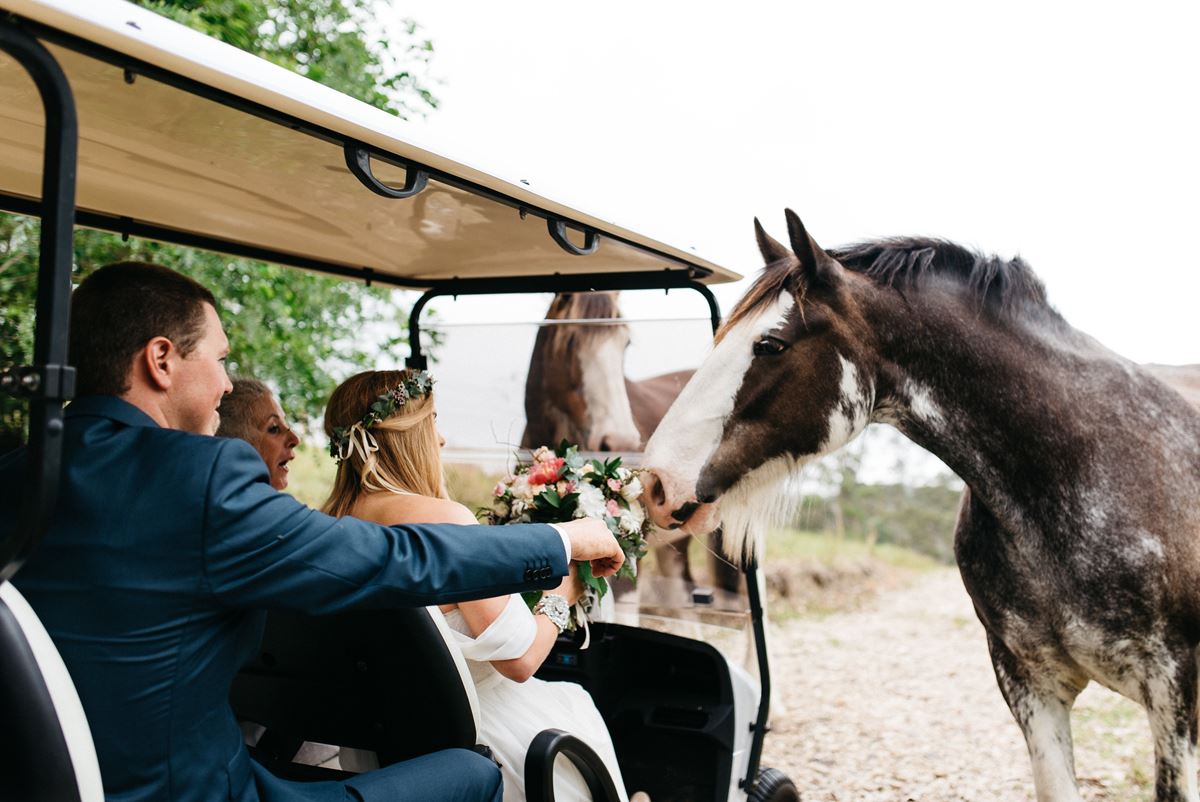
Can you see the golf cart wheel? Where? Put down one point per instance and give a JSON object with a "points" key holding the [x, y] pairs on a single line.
{"points": [[774, 786]]}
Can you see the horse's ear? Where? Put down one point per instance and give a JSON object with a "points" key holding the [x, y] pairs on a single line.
{"points": [[772, 251], [818, 266]]}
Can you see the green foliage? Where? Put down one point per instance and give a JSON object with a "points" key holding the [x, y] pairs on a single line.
{"points": [[328, 41], [917, 517], [293, 329]]}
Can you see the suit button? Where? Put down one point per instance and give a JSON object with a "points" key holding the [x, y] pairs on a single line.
{"points": [[529, 576], [547, 572]]}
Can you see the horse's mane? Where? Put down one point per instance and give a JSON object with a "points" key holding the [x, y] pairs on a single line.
{"points": [[557, 340], [1002, 285], [908, 263]]}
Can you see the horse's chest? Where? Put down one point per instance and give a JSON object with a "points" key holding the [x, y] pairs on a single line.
{"points": [[1081, 617]]}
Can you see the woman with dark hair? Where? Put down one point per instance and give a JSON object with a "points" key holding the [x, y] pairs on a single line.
{"points": [[252, 413]]}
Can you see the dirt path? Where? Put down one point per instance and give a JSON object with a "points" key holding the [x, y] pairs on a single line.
{"points": [[898, 702]]}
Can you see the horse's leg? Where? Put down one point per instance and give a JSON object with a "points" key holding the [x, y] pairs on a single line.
{"points": [[1041, 704], [725, 575], [1170, 700]]}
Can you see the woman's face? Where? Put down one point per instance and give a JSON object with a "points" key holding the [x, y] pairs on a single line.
{"points": [[276, 442]]}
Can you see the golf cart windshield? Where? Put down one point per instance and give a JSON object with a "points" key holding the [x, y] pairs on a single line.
{"points": [[504, 371]]}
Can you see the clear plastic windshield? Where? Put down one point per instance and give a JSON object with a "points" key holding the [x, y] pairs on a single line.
{"points": [[509, 381]]}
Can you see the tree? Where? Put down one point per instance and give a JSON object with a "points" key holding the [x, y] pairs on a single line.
{"points": [[293, 329]]}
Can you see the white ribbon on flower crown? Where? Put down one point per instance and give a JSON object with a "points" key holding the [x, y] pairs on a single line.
{"points": [[582, 615], [359, 441]]}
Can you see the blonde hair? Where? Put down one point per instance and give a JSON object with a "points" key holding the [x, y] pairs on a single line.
{"points": [[408, 456]]}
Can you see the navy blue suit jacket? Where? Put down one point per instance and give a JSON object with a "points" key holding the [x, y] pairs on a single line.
{"points": [[165, 551]]}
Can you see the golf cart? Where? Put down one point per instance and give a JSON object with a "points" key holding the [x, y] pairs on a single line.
{"points": [[117, 119]]}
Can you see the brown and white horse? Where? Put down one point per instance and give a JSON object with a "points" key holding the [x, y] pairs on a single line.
{"points": [[577, 391], [1079, 534], [576, 388]]}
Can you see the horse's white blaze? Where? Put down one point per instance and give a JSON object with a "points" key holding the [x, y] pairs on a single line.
{"points": [[603, 379], [691, 429]]}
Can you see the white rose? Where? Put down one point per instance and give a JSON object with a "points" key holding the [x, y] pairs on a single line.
{"points": [[632, 490], [631, 520], [520, 487], [518, 506], [591, 501]]}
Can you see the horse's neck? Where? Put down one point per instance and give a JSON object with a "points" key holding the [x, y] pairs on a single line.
{"points": [[1017, 408]]}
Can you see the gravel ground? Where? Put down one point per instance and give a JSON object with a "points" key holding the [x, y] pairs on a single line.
{"points": [[897, 701]]}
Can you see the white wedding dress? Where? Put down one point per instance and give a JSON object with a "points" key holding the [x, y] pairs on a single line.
{"points": [[512, 713]]}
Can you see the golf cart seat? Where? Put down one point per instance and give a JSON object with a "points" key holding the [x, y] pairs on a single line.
{"points": [[46, 749], [384, 681]]}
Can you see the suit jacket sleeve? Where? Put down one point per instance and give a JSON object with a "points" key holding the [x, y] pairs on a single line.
{"points": [[262, 548]]}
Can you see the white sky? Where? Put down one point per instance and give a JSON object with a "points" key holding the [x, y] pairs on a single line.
{"points": [[1066, 132]]}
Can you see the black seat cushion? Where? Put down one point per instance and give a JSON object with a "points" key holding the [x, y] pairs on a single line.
{"points": [[381, 680]]}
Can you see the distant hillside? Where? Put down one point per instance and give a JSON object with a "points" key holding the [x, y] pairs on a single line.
{"points": [[1184, 378]]}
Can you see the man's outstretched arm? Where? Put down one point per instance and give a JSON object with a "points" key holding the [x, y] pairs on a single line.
{"points": [[263, 548]]}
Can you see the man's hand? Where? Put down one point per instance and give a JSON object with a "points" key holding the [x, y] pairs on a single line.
{"points": [[591, 541]]}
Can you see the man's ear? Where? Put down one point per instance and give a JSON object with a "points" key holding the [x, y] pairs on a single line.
{"points": [[157, 360]]}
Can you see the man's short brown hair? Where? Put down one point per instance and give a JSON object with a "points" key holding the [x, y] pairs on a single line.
{"points": [[121, 307]]}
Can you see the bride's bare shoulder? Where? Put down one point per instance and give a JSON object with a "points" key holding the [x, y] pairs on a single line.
{"points": [[395, 509]]}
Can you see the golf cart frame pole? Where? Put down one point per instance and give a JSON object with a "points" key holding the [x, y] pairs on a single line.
{"points": [[761, 725], [50, 381], [597, 282]]}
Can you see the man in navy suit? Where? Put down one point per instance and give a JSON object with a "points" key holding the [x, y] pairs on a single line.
{"points": [[168, 545]]}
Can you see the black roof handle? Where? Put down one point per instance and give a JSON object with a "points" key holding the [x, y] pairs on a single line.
{"points": [[558, 231], [358, 161]]}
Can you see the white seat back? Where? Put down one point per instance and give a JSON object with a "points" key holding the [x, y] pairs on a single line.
{"points": [[71, 718]]}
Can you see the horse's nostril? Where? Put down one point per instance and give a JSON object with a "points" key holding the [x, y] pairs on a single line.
{"points": [[657, 493], [685, 512]]}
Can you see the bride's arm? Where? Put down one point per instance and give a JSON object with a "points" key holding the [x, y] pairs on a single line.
{"points": [[479, 615]]}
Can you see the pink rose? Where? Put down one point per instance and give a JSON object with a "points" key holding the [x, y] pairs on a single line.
{"points": [[613, 508], [614, 485], [499, 489], [546, 473]]}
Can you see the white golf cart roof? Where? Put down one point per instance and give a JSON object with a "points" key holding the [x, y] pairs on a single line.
{"points": [[186, 139]]}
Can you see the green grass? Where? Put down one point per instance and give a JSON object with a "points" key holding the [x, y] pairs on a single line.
{"points": [[310, 476], [1113, 747], [796, 544]]}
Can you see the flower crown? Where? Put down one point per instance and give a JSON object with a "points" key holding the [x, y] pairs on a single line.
{"points": [[416, 385]]}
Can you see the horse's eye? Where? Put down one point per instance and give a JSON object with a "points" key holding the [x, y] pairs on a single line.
{"points": [[769, 346]]}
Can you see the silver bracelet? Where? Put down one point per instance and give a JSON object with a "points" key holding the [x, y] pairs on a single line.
{"points": [[555, 608]]}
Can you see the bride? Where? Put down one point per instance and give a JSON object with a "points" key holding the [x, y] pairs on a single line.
{"points": [[382, 433]]}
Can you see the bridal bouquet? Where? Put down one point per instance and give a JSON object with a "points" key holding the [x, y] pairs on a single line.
{"points": [[560, 485]]}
